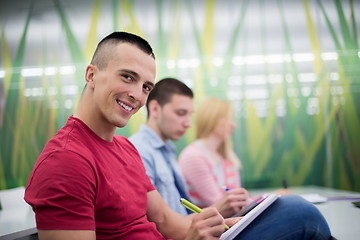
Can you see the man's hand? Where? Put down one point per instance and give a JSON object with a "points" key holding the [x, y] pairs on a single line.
{"points": [[232, 221], [208, 224], [232, 202]]}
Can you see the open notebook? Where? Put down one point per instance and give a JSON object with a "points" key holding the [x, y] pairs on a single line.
{"points": [[249, 217]]}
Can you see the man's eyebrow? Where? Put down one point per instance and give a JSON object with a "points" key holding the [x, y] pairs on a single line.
{"points": [[135, 74], [150, 83]]}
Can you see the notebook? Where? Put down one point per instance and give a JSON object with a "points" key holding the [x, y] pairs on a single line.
{"points": [[249, 217]]}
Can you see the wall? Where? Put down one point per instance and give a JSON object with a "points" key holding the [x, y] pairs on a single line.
{"points": [[291, 69]]}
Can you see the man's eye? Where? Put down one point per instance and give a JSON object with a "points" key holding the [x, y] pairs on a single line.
{"points": [[147, 88], [127, 77], [181, 113]]}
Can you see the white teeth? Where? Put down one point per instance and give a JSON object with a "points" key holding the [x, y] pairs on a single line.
{"points": [[126, 107]]}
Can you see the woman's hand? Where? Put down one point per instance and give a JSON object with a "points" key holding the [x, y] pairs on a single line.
{"points": [[232, 202]]}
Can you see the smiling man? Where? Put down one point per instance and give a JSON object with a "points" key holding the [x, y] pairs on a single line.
{"points": [[88, 183]]}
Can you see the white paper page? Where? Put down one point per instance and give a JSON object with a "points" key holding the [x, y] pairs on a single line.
{"points": [[248, 218]]}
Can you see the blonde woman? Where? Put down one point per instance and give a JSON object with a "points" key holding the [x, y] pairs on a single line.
{"points": [[209, 164]]}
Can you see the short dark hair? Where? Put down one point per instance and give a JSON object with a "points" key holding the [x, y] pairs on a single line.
{"points": [[103, 53], [165, 89]]}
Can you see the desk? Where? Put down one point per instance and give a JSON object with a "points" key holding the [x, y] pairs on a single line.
{"points": [[342, 216], [17, 223]]}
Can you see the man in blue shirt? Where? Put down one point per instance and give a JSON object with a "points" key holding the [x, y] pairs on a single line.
{"points": [[170, 106]]}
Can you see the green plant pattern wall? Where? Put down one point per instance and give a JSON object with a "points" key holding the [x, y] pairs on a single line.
{"points": [[321, 148]]}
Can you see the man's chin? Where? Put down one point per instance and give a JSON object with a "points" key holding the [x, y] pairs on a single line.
{"points": [[121, 124], [176, 138]]}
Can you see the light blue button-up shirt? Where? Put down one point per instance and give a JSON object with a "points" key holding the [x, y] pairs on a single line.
{"points": [[159, 157]]}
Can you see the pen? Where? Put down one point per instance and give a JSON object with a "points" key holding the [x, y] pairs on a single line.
{"points": [[193, 207], [226, 188]]}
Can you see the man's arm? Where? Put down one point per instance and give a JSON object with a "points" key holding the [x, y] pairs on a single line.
{"points": [[205, 225], [66, 234]]}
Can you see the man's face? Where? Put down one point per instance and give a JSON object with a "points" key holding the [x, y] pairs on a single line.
{"points": [[122, 88], [175, 117]]}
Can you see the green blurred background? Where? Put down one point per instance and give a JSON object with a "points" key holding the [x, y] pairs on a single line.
{"points": [[291, 69]]}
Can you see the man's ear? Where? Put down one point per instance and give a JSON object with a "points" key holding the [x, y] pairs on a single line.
{"points": [[154, 108], [89, 75]]}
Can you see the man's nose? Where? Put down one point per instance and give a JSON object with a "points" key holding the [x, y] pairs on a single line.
{"points": [[135, 92], [187, 122]]}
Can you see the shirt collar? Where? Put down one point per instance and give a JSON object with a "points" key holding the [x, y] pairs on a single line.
{"points": [[157, 142]]}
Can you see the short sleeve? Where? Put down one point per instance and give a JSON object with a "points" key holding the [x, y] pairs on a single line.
{"points": [[61, 190]]}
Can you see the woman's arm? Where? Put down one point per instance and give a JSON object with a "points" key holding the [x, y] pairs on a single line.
{"points": [[198, 172]]}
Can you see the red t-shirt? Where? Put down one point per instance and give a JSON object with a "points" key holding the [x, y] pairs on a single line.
{"points": [[82, 182]]}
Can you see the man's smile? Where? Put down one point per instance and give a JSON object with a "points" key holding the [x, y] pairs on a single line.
{"points": [[125, 106]]}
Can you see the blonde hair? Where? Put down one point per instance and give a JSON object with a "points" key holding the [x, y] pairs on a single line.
{"points": [[209, 113]]}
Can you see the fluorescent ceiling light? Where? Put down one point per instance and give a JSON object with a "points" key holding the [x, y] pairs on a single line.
{"points": [[307, 77], [255, 59], [34, 92], [303, 57], [38, 71], [69, 90], [171, 64], [31, 72], [189, 63], [50, 71], [326, 56], [66, 70], [277, 58], [238, 60], [256, 80], [218, 61]]}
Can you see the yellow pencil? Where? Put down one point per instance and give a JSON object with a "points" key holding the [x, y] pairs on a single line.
{"points": [[193, 207]]}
